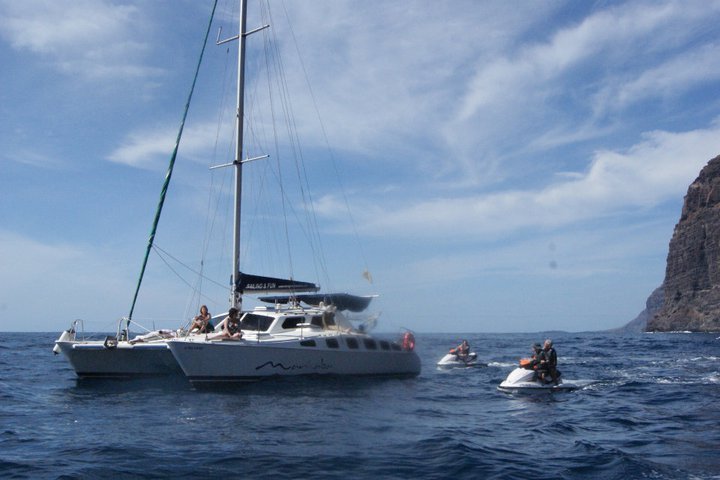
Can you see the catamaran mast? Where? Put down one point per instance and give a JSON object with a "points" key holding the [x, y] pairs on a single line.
{"points": [[235, 296]]}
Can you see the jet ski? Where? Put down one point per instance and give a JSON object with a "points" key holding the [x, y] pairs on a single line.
{"points": [[526, 380], [451, 360]]}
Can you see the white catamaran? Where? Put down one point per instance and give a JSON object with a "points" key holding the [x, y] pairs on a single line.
{"points": [[300, 332]]}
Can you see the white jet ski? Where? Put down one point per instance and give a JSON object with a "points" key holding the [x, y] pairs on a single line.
{"points": [[525, 381], [451, 360]]}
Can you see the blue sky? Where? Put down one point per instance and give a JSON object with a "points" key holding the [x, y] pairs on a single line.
{"points": [[508, 166]]}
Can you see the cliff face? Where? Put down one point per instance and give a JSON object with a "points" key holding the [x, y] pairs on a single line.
{"points": [[652, 306], [692, 276]]}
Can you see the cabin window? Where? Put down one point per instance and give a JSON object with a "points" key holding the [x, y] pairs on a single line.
{"points": [[317, 321], [370, 344], [251, 321], [352, 343], [292, 322], [395, 347], [332, 343], [384, 345], [308, 343]]}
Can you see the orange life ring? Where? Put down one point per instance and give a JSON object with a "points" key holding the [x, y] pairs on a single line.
{"points": [[408, 341]]}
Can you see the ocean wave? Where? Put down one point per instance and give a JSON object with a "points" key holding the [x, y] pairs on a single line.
{"points": [[502, 364]]}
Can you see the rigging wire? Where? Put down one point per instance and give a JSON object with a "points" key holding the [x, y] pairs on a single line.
{"points": [[277, 156], [215, 193], [281, 116], [313, 233], [255, 132], [162, 253], [330, 150], [168, 175]]}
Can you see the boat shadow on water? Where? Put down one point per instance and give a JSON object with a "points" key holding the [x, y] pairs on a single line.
{"points": [[315, 385], [166, 383]]}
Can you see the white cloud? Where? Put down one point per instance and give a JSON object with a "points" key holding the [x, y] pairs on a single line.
{"points": [[389, 77], [32, 158], [150, 148], [93, 39], [608, 38], [658, 168], [145, 149], [676, 75], [566, 88]]}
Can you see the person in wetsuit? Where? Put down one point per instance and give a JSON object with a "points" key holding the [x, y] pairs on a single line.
{"points": [[549, 362], [535, 358]]}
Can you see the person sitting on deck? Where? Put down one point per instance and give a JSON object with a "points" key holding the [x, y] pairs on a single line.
{"points": [[230, 326], [201, 323], [154, 335]]}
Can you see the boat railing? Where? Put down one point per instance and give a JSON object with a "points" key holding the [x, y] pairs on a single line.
{"points": [[74, 327]]}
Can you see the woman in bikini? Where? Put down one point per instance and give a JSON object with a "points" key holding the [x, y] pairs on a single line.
{"points": [[230, 326], [201, 323]]}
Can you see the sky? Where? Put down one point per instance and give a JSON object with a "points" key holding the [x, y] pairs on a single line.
{"points": [[496, 166]]}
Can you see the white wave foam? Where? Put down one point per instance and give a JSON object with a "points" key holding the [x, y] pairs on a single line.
{"points": [[502, 364]]}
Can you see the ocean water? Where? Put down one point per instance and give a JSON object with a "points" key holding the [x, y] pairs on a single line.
{"points": [[648, 408]]}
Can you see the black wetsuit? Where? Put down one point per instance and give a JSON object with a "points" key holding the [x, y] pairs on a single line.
{"points": [[551, 357], [550, 365]]}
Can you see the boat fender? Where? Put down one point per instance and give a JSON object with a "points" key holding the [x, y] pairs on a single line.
{"points": [[408, 341], [110, 343]]}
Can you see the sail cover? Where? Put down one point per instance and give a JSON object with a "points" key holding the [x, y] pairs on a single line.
{"points": [[257, 284], [343, 301]]}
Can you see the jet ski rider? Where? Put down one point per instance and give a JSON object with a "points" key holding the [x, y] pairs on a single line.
{"points": [[536, 356], [548, 362], [461, 351]]}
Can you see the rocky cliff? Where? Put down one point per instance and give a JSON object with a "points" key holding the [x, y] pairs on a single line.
{"points": [[692, 275], [652, 306]]}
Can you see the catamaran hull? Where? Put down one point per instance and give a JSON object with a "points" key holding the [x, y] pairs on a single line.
{"points": [[94, 360], [229, 361]]}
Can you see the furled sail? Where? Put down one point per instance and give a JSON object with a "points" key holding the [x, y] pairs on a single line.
{"points": [[343, 301], [258, 284]]}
